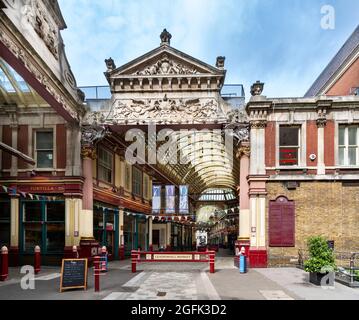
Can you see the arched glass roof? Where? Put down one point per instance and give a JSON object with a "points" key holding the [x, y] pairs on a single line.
{"points": [[202, 161], [216, 194]]}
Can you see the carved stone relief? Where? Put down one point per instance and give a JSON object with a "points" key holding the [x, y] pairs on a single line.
{"points": [[90, 135], [176, 110], [37, 15], [165, 66]]}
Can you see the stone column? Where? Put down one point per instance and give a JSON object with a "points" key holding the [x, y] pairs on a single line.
{"points": [[321, 123], [14, 232], [73, 212], [150, 238], [86, 221], [257, 196], [168, 236], [244, 214], [14, 160], [258, 108]]}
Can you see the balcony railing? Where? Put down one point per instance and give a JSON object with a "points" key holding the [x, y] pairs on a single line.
{"points": [[104, 92]]}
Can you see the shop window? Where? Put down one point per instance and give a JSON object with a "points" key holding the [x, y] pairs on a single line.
{"points": [[289, 145], [105, 165], [348, 145], [281, 223], [137, 181], [5, 218], [44, 148], [145, 186], [43, 224], [104, 228], [127, 176]]}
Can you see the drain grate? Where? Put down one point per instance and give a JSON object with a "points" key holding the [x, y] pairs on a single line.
{"points": [[161, 294]]}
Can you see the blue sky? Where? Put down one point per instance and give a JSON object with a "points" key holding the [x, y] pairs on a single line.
{"points": [[280, 42]]}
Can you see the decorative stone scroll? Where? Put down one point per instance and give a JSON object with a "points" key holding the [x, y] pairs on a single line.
{"points": [[243, 151], [238, 125], [90, 136]]}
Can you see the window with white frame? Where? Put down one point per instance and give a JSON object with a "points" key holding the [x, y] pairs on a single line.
{"points": [[44, 148], [105, 165], [348, 145], [289, 145]]}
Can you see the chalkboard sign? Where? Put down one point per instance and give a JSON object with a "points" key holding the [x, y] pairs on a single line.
{"points": [[73, 274]]}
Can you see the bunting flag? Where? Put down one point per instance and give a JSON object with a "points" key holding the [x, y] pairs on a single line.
{"points": [[15, 191]]}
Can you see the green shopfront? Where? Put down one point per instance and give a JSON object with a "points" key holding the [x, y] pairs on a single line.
{"points": [[42, 223], [106, 228], [135, 232]]}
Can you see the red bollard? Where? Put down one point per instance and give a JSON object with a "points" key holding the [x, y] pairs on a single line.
{"points": [[4, 264], [75, 253], [37, 259], [96, 264], [212, 257], [134, 257], [104, 259]]}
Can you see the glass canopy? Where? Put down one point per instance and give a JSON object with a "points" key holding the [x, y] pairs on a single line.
{"points": [[14, 89], [10, 80], [217, 195]]}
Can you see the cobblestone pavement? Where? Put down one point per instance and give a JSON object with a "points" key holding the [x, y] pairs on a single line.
{"points": [[179, 281]]}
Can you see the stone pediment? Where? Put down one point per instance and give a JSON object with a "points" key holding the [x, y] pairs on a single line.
{"points": [[163, 61]]}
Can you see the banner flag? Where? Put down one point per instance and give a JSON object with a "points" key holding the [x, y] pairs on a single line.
{"points": [[170, 200], [156, 199], [183, 199]]}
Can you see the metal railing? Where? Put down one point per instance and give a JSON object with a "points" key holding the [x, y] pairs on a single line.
{"points": [[104, 92]]}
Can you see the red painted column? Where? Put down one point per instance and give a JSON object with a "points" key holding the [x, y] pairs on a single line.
{"points": [[4, 272], [97, 273], [37, 260]]}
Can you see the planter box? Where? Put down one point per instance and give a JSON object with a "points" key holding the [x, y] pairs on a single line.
{"points": [[316, 278]]}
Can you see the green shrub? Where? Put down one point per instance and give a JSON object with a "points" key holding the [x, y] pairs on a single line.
{"points": [[321, 257]]}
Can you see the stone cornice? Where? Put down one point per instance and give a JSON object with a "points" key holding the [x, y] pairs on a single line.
{"points": [[21, 50]]}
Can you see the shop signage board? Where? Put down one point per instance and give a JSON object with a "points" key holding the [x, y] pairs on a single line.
{"points": [[172, 257], [156, 199], [73, 274], [170, 199], [183, 199]]}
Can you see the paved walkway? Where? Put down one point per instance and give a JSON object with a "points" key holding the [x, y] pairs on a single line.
{"points": [[179, 281]]}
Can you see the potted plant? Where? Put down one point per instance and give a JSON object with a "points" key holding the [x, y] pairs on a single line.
{"points": [[321, 260]]}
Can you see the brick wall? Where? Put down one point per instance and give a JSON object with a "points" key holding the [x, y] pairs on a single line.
{"points": [[321, 208], [348, 80]]}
